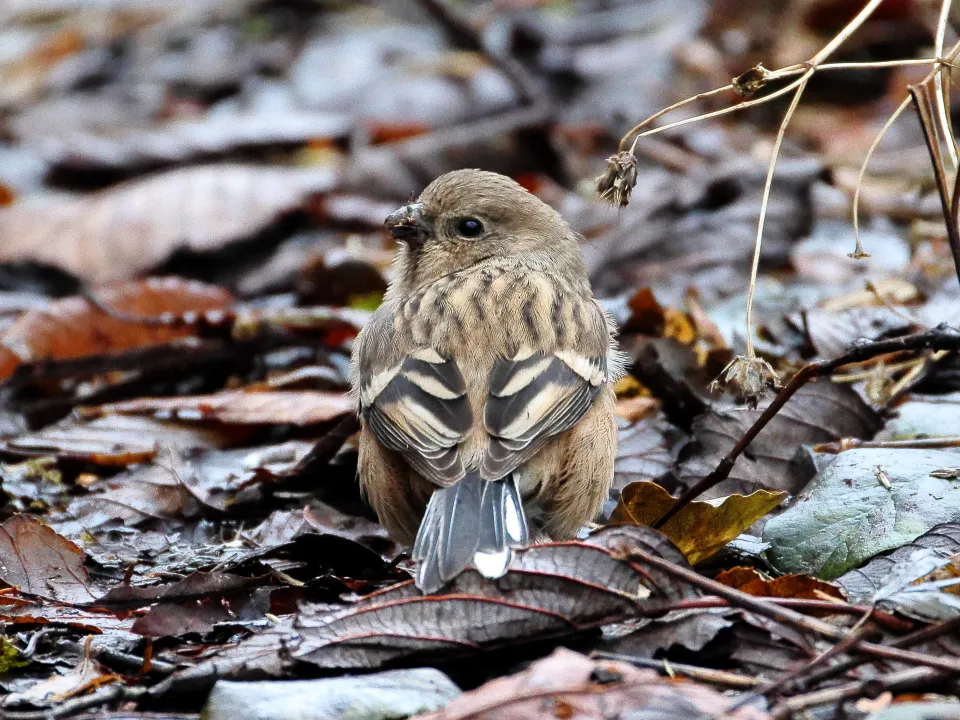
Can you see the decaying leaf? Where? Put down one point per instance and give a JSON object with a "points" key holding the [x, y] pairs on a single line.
{"points": [[818, 412], [119, 440], [38, 561], [551, 589], [864, 582], [795, 585], [73, 327], [702, 527], [280, 407], [133, 227], [846, 516], [569, 685]]}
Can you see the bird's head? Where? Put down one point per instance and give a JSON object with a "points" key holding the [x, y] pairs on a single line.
{"points": [[469, 216]]}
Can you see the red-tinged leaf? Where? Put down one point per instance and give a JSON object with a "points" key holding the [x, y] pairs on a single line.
{"points": [[87, 675], [551, 589], [34, 559], [119, 440], [279, 407], [794, 585], [73, 327], [183, 139], [128, 229], [569, 685]]}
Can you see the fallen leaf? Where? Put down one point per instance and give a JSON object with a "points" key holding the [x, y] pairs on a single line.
{"points": [[118, 440], [551, 589], [277, 407], [701, 528], [390, 694], [646, 450], [569, 685], [73, 327], [36, 560], [818, 412], [942, 540], [181, 140], [794, 585], [87, 675], [133, 227], [845, 516]]}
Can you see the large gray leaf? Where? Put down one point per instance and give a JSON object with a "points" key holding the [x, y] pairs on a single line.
{"points": [[819, 412], [846, 515]]}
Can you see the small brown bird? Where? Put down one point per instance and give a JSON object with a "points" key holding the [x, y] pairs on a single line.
{"points": [[484, 380]]}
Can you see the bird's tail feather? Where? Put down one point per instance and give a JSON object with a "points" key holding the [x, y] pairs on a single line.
{"points": [[474, 522]]}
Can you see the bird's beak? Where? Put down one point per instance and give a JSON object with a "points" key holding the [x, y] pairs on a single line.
{"points": [[408, 225]]}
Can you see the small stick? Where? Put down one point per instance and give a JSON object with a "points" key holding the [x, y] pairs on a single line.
{"points": [[788, 617], [718, 677], [904, 678], [940, 338]]}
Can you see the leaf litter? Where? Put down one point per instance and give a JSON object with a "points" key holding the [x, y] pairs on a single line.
{"points": [[190, 239]]}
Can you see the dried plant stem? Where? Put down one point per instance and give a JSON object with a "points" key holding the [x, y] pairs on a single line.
{"points": [[943, 89], [858, 252], [939, 64], [768, 184], [940, 338]]}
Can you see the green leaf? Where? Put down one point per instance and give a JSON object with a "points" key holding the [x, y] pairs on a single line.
{"points": [[846, 515]]}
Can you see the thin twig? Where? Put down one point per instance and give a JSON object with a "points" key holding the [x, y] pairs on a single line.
{"points": [[717, 677], [902, 679], [767, 186], [103, 696], [762, 607], [942, 89], [941, 338], [949, 196], [845, 444]]}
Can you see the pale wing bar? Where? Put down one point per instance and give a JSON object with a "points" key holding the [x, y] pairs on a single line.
{"points": [[422, 411], [532, 399]]}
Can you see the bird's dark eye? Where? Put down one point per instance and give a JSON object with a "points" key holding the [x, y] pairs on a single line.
{"points": [[469, 227]]}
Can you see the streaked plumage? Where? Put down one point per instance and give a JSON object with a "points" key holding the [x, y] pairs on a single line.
{"points": [[484, 380]]}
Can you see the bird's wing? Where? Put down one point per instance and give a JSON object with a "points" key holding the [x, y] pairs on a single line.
{"points": [[532, 397], [419, 408]]}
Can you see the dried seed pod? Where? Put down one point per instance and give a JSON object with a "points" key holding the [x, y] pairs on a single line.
{"points": [[619, 179], [748, 84], [751, 376]]}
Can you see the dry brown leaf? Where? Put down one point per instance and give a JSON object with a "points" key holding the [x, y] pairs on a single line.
{"points": [[119, 440], [73, 327], [795, 585], [36, 560], [569, 685], [130, 228], [272, 407], [701, 528]]}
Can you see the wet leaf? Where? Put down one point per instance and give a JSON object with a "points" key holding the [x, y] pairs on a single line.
{"points": [[36, 560], [646, 450], [795, 585], [277, 407], [73, 327], [86, 676], [117, 440], [846, 515], [702, 527], [183, 139], [567, 684], [391, 694], [941, 541], [134, 227], [555, 588], [818, 412]]}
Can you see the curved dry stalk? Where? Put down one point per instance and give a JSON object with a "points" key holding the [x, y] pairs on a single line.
{"points": [[939, 64], [768, 184], [943, 89], [858, 252], [669, 109]]}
